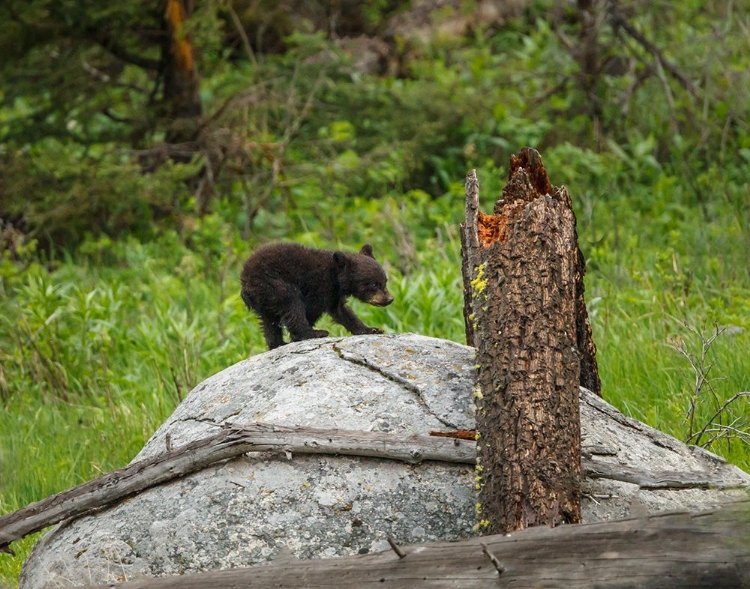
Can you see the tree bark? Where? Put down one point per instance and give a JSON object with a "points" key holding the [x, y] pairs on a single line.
{"points": [[181, 85], [469, 251], [676, 550], [523, 275], [589, 374]]}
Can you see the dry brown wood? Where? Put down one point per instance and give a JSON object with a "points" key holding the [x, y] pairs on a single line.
{"points": [[228, 443], [693, 551], [234, 441], [492, 228], [461, 434], [589, 373], [469, 249]]}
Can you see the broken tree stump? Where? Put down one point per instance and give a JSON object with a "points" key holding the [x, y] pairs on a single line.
{"points": [[526, 316]]}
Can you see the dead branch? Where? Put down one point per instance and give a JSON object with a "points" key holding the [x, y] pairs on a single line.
{"points": [[710, 423], [230, 442], [233, 441], [618, 19]]}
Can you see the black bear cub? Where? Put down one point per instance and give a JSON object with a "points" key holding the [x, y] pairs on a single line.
{"points": [[292, 286]]}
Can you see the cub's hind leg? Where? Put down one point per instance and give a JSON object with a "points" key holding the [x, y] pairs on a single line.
{"points": [[272, 331], [295, 320]]}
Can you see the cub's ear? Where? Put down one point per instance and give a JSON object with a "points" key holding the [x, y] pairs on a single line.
{"points": [[340, 259], [367, 250]]}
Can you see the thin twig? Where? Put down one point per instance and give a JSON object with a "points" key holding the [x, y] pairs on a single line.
{"points": [[710, 422], [243, 35], [499, 567], [726, 432], [714, 424], [395, 547], [619, 20], [701, 371]]}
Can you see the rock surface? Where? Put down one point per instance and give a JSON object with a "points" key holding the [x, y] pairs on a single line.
{"points": [[270, 505]]}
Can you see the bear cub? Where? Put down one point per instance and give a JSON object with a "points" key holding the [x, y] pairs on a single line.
{"points": [[292, 286]]}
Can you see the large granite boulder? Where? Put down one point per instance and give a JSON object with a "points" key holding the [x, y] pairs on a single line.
{"points": [[249, 510]]}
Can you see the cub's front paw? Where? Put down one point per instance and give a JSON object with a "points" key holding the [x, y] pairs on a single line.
{"points": [[374, 330], [320, 333]]}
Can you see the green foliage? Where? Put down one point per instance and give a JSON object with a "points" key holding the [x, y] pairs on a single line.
{"points": [[125, 293], [105, 194]]}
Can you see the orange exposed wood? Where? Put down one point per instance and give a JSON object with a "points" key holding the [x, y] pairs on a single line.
{"points": [[530, 160], [183, 50], [459, 434], [491, 228], [527, 181]]}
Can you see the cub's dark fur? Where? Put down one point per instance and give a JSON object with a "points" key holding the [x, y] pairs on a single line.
{"points": [[292, 286]]}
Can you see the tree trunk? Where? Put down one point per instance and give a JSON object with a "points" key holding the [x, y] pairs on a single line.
{"points": [[181, 85], [469, 251], [523, 273]]}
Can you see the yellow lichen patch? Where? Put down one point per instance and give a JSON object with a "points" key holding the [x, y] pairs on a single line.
{"points": [[482, 524], [480, 282]]}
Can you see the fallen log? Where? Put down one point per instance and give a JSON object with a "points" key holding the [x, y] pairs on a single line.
{"points": [[673, 550], [228, 443], [233, 441]]}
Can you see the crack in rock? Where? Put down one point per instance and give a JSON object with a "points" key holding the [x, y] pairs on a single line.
{"points": [[301, 348], [402, 382]]}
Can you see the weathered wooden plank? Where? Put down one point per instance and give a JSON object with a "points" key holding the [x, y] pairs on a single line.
{"points": [[689, 551]]}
